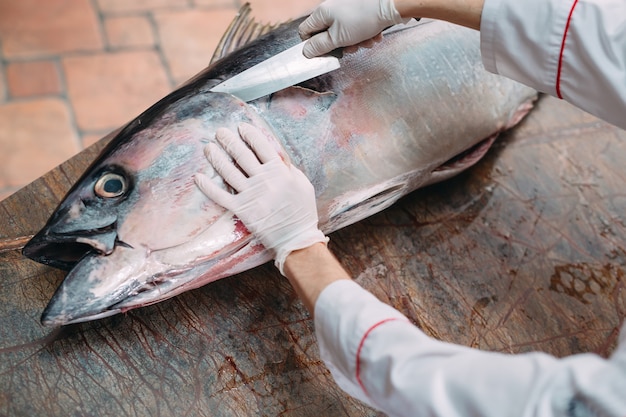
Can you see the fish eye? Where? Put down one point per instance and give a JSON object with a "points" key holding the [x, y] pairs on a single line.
{"points": [[110, 185]]}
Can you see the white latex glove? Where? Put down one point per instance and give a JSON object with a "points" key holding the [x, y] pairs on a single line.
{"points": [[274, 199], [338, 23]]}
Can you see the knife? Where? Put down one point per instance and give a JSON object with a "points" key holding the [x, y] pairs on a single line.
{"points": [[283, 70]]}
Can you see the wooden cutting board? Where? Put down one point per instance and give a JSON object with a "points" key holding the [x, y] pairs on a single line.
{"points": [[526, 251]]}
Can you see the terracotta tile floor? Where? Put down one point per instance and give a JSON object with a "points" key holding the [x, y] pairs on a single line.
{"points": [[71, 71]]}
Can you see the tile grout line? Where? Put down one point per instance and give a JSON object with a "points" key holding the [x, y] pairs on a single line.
{"points": [[3, 76], [236, 5], [7, 190], [100, 18], [157, 47], [68, 103]]}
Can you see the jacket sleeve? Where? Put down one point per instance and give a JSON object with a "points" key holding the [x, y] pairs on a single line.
{"points": [[376, 355], [571, 49]]}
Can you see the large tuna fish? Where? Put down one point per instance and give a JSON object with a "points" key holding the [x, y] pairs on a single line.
{"points": [[134, 230]]}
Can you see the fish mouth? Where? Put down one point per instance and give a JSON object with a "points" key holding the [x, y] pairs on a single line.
{"points": [[58, 255], [104, 285], [76, 251], [65, 250], [85, 294]]}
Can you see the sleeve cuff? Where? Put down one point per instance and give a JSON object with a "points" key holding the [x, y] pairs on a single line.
{"points": [[487, 35], [344, 313], [522, 40]]}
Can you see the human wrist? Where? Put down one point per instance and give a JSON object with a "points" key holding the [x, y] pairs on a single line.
{"points": [[462, 12], [407, 8], [310, 270], [300, 238]]}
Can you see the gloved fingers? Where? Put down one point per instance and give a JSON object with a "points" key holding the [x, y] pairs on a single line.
{"points": [[214, 192], [236, 147], [259, 143], [319, 44], [318, 21], [225, 167]]}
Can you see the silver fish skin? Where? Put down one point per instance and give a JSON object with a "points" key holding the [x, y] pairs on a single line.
{"points": [[416, 109]]}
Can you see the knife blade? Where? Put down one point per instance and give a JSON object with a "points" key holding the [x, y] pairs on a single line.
{"points": [[283, 70]]}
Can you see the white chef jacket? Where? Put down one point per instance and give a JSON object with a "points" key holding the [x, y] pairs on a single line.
{"points": [[376, 355], [571, 49]]}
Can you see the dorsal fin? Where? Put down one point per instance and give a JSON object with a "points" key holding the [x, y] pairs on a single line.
{"points": [[242, 30]]}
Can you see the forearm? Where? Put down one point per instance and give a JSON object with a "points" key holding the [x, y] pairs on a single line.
{"points": [[312, 269], [462, 12]]}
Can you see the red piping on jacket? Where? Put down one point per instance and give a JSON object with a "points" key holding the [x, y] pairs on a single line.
{"points": [[358, 351], [560, 67]]}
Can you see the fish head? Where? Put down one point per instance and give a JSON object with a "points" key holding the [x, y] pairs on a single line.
{"points": [[134, 225]]}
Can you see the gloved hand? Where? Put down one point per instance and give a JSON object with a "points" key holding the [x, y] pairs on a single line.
{"points": [[337, 23], [274, 200]]}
